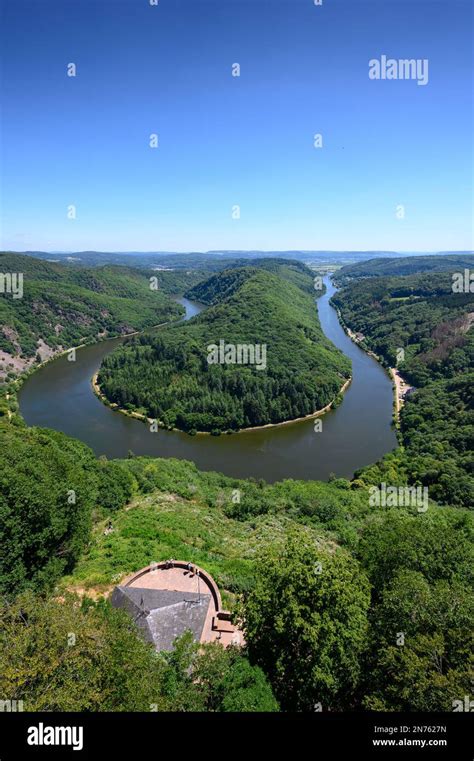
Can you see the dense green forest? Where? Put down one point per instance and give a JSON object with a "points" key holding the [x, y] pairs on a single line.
{"points": [[213, 290], [421, 315], [404, 265], [64, 306], [343, 606], [166, 375], [111, 669]]}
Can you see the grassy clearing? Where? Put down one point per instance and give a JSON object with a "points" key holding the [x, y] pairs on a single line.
{"points": [[160, 526]]}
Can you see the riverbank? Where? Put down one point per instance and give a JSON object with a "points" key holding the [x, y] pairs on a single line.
{"points": [[402, 388], [160, 424], [17, 382], [355, 433], [399, 384]]}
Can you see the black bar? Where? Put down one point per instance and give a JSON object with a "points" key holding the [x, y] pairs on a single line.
{"points": [[324, 735]]}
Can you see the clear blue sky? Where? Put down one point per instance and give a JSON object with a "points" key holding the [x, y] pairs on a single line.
{"points": [[226, 141]]}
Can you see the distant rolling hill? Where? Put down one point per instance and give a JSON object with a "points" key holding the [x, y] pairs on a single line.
{"points": [[407, 265]]}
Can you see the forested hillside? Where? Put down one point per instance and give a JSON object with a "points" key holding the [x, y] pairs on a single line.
{"points": [[167, 376], [419, 314], [63, 306], [432, 325], [321, 582], [409, 265], [214, 289]]}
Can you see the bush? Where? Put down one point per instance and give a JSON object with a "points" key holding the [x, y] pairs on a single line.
{"points": [[48, 487]]}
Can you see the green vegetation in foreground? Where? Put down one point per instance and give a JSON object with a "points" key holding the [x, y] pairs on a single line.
{"points": [[433, 325], [64, 306], [167, 376], [322, 583], [109, 668], [309, 567], [179, 512], [344, 606]]}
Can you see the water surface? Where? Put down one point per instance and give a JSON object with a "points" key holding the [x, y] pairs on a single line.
{"points": [[357, 433]]}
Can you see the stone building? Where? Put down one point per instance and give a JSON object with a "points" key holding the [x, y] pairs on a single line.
{"points": [[168, 598]]}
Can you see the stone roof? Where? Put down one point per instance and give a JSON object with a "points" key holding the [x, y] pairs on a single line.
{"points": [[162, 614], [171, 596]]}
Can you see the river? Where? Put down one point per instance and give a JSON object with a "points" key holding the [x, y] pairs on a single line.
{"points": [[60, 396]]}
